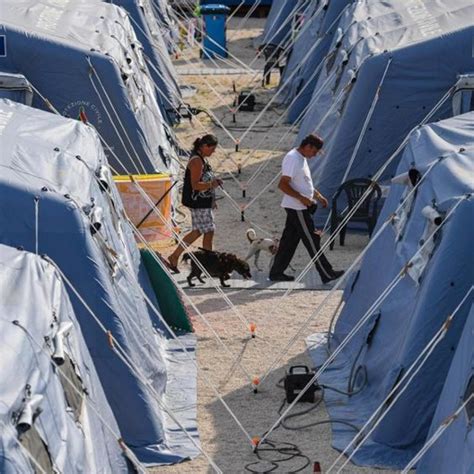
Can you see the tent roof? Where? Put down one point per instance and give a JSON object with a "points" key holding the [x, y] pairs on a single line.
{"points": [[42, 145], [391, 33], [152, 32]]}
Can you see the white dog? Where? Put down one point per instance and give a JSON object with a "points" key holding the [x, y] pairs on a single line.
{"points": [[257, 245]]}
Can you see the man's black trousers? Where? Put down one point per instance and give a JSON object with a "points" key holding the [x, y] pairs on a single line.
{"points": [[300, 226]]}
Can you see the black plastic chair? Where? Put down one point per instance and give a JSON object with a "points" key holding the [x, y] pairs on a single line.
{"points": [[367, 212]]}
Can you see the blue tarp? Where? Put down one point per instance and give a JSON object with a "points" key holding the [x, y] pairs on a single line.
{"points": [[399, 328], [56, 46], [60, 162], [421, 60], [454, 450]]}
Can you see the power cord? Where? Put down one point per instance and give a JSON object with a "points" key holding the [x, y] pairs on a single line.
{"points": [[311, 408], [291, 450]]}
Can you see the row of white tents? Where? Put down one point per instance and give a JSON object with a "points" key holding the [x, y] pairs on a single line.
{"points": [[389, 87], [91, 378]]}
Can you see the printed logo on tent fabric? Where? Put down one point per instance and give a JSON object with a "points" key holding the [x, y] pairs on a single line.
{"points": [[3, 46], [425, 20], [83, 110], [48, 19], [60, 3]]}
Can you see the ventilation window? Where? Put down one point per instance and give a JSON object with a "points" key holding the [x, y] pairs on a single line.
{"points": [[427, 243], [299, 85], [410, 180], [397, 380], [24, 420], [72, 386], [103, 177], [331, 59], [36, 447], [165, 158], [96, 218], [469, 393], [373, 329], [338, 37], [346, 97], [111, 257], [355, 281]]}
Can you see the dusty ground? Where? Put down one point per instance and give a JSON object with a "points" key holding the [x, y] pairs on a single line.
{"points": [[277, 319]]}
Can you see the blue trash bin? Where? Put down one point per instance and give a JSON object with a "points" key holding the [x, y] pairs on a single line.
{"points": [[214, 44]]}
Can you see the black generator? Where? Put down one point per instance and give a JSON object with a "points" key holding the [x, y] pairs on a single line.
{"points": [[296, 380]]}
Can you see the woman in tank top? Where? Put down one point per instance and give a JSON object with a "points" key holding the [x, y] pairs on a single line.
{"points": [[199, 196]]}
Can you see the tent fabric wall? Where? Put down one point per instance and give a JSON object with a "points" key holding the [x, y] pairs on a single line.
{"points": [[338, 34], [415, 81], [303, 83], [63, 39], [278, 25], [308, 35], [453, 452], [150, 31], [400, 327], [34, 307], [60, 161]]}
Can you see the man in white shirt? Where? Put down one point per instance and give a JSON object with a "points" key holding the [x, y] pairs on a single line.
{"points": [[299, 202]]}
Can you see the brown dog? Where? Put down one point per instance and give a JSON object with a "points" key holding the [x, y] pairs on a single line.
{"points": [[217, 264]]}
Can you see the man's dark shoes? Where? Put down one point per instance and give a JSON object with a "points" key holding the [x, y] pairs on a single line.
{"points": [[335, 274], [282, 277]]}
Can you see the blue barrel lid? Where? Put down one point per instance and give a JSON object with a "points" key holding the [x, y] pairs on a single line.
{"points": [[214, 8]]}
